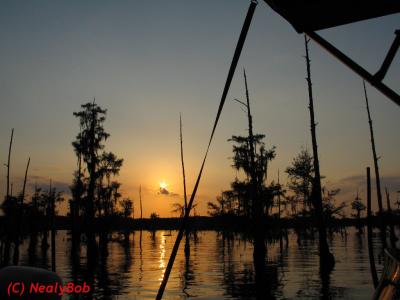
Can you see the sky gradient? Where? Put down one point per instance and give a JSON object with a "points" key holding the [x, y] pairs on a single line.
{"points": [[148, 61]]}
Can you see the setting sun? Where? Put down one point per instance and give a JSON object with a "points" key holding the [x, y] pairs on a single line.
{"points": [[163, 184]]}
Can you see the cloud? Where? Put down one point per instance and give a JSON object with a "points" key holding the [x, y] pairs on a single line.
{"points": [[350, 185], [165, 192], [44, 183], [360, 181]]}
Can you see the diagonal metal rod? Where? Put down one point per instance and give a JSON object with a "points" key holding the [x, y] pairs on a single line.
{"points": [[231, 72], [389, 57], [384, 89]]}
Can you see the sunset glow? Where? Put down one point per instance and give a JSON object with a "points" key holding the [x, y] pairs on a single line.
{"points": [[133, 80]]}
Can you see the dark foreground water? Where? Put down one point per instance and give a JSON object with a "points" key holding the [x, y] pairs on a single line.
{"points": [[220, 266]]}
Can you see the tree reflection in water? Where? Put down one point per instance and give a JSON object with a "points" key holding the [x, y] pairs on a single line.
{"points": [[187, 273], [214, 266], [243, 279]]}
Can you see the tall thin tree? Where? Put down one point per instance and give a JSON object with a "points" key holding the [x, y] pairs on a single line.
{"points": [[256, 209], [8, 163], [140, 201], [88, 143], [182, 162], [369, 232], [375, 157], [327, 260], [377, 176], [187, 233], [20, 216]]}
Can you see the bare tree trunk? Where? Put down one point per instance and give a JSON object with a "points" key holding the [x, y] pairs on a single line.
{"points": [[376, 158], [140, 201], [376, 167], [260, 250], [20, 217], [8, 163], [327, 260], [252, 150], [5, 256], [183, 164], [187, 232], [256, 205], [369, 232]]}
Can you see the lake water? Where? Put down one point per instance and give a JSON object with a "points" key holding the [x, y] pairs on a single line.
{"points": [[220, 266]]}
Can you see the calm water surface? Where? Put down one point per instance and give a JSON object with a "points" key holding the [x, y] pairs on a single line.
{"points": [[220, 266]]}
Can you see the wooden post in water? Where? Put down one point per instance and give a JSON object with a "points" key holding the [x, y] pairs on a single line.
{"points": [[393, 237], [369, 231]]}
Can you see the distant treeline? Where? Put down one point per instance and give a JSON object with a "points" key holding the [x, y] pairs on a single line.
{"points": [[228, 223]]}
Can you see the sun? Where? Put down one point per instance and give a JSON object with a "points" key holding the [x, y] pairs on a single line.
{"points": [[163, 185]]}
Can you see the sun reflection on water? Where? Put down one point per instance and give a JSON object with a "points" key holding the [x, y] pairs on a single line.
{"points": [[162, 256]]}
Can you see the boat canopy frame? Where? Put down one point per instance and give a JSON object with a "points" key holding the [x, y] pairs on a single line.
{"points": [[309, 16]]}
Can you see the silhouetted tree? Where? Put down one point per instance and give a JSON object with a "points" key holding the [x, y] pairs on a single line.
{"points": [[127, 207], [43, 202], [255, 173], [109, 166], [78, 189], [301, 175], [88, 143], [398, 201], [292, 202], [393, 237], [179, 208], [33, 217], [331, 209], [226, 204], [10, 210], [241, 192], [358, 207], [154, 216]]}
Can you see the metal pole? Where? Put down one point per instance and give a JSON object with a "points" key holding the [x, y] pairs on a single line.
{"points": [[185, 218]]}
